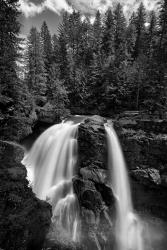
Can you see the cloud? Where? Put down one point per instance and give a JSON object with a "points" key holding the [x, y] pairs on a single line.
{"points": [[30, 9], [86, 7]]}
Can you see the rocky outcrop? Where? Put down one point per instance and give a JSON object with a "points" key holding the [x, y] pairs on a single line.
{"points": [[144, 144], [92, 187], [24, 220]]}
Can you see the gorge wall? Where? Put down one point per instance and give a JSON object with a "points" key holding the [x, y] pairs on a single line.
{"points": [[92, 185], [24, 220], [144, 143]]}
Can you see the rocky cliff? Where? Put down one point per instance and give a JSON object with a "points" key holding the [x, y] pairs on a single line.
{"points": [[24, 220], [144, 143], [92, 185]]}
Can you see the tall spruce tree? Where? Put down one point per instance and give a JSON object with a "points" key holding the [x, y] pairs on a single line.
{"points": [[140, 31], [46, 46], [9, 30], [152, 35], [120, 35], [62, 49], [15, 107], [131, 37], [97, 33], [36, 73], [162, 52], [108, 34]]}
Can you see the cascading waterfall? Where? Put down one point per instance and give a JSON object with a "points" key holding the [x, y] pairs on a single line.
{"points": [[51, 165], [128, 226]]}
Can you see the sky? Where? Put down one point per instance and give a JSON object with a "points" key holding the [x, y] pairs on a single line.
{"points": [[34, 12]]}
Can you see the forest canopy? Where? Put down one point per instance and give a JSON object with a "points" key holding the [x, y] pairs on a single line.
{"points": [[103, 67]]}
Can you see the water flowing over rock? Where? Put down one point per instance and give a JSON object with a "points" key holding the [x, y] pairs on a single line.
{"points": [[128, 226], [90, 199], [145, 145], [92, 185], [51, 163]]}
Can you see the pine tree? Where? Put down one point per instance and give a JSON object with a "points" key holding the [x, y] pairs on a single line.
{"points": [[36, 74], [162, 52], [152, 35], [62, 49], [46, 46], [97, 33], [57, 94], [15, 101], [163, 31], [9, 30], [140, 31], [131, 37], [55, 49], [120, 35], [108, 34], [86, 45]]}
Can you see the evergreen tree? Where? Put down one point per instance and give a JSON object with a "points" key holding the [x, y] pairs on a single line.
{"points": [[140, 31], [131, 37], [152, 35], [62, 49], [46, 46], [55, 49], [36, 74], [108, 34], [163, 31], [9, 30], [97, 33], [57, 94], [120, 35], [162, 52], [15, 101], [86, 45]]}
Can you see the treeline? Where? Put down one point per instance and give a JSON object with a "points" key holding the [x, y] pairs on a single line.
{"points": [[108, 66], [15, 99]]}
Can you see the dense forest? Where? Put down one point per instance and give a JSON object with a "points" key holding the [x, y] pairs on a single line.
{"points": [[104, 67]]}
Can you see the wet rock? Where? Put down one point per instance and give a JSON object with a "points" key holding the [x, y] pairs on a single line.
{"points": [[24, 220], [147, 176], [145, 145], [92, 143], [92, 187], [94, 174]]}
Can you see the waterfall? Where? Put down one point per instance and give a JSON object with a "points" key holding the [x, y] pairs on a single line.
{"points": [[128, 227], [51, 165]]}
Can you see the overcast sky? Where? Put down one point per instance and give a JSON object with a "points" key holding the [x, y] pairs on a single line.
{"points": [[36, 11]]}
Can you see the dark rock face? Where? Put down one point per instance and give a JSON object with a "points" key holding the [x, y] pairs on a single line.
{"points": [[145, 154], [24, 220], [91, 185], [92, 143]]}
